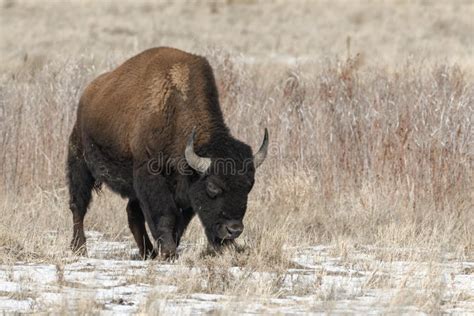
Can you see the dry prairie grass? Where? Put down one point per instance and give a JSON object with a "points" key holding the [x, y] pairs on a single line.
{"points": [[364, 155], [385, 31], [357, 154]]}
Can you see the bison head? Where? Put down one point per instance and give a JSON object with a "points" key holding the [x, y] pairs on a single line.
{"points": [[219, 195]]}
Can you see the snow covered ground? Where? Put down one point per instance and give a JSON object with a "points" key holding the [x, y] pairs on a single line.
{"points": [[318, 281]]}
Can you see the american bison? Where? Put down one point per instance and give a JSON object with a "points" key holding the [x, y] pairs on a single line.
{"points": [[152, 130]]}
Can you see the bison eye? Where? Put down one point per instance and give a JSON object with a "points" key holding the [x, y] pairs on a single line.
{"points": [[225, 215], [213, 190]]}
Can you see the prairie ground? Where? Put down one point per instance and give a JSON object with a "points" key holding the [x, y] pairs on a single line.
{"points": [[365, 203]]}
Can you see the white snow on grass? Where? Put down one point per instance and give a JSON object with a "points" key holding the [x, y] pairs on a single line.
{"points": [[108, 280]]}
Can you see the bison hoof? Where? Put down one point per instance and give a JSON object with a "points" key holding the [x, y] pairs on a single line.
{"points": [[151, 254], [166, 249], [78, 245], [79, 250], [167, 255]]}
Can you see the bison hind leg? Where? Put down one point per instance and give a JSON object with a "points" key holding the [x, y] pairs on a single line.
{"points": [[80, 183]]}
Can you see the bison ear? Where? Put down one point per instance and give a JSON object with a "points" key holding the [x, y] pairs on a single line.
{"points": [[200, 164], [260, 156]]}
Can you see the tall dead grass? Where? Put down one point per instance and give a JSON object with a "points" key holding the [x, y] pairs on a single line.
{"points": [[358, 154]]}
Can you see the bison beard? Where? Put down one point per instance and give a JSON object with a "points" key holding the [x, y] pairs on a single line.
{"points": [[162, 106]]}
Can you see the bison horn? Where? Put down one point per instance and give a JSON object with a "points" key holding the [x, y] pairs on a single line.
{"points": [[200, 164], [260, 156]]}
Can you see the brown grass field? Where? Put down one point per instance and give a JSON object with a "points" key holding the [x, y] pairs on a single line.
{"points": [[370, 108]]}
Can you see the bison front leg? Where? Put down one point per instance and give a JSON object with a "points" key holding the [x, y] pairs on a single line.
{"points": [[136, 222], [159, 209], [187, 215]]}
